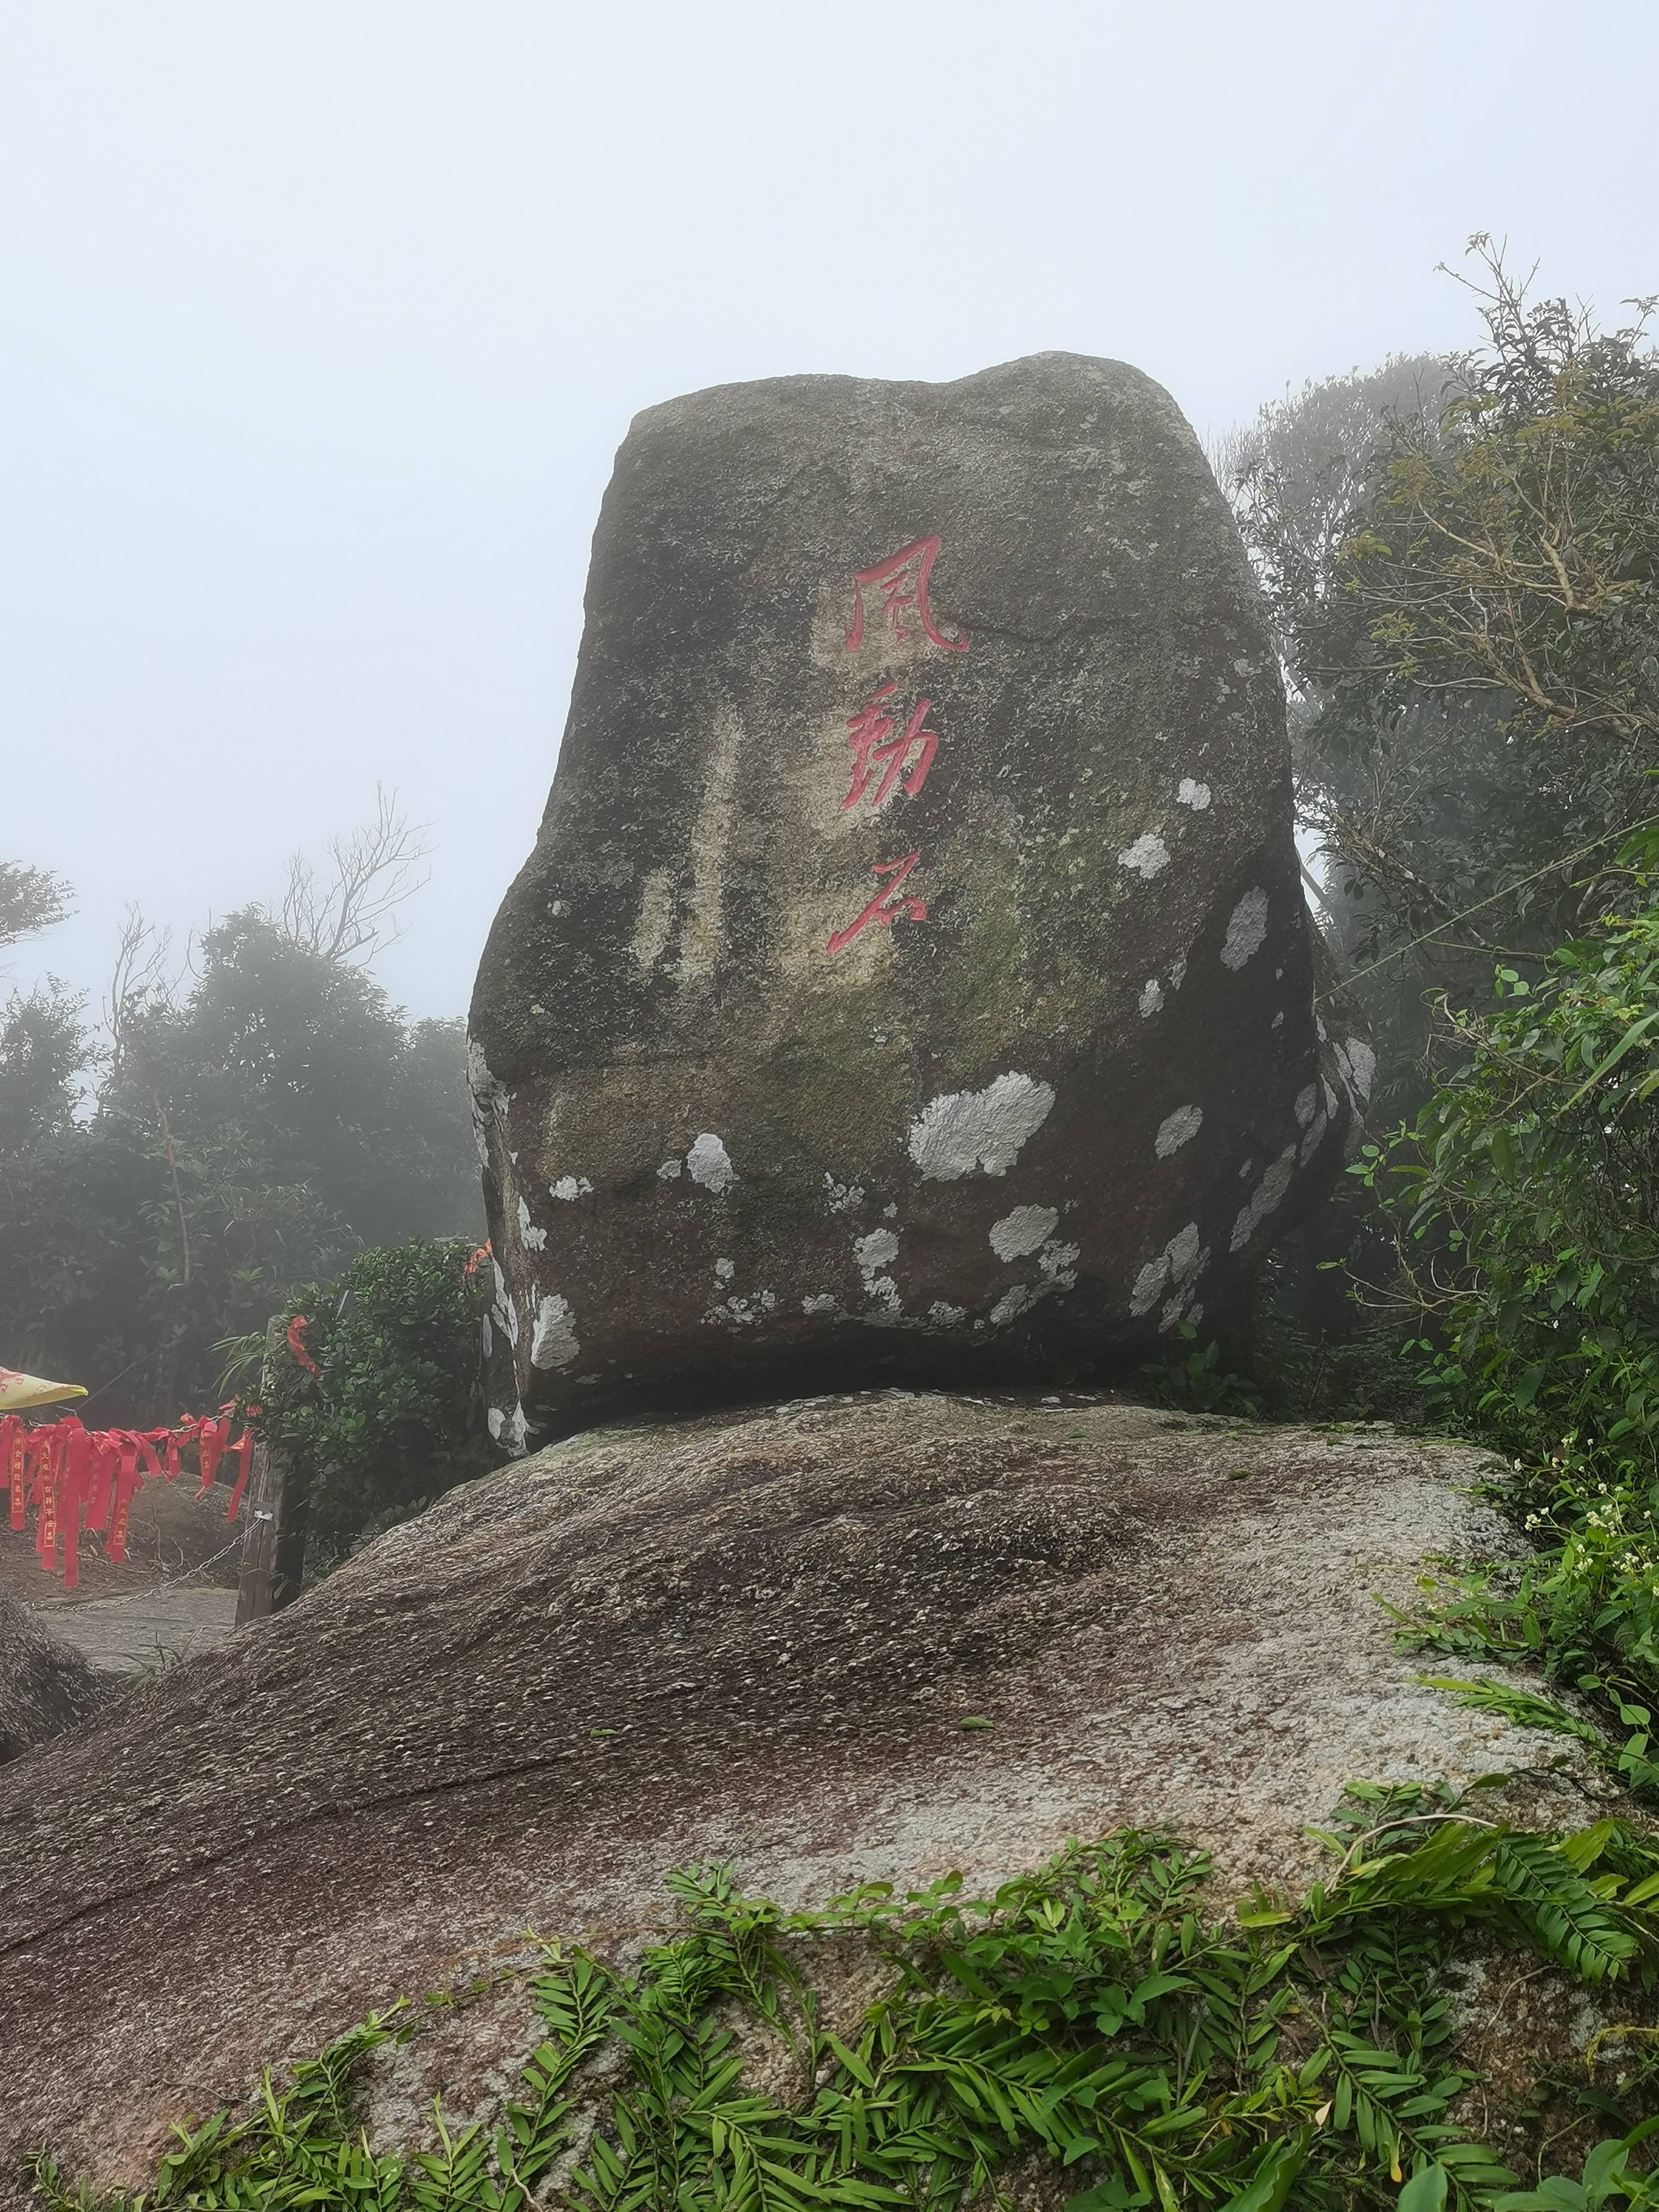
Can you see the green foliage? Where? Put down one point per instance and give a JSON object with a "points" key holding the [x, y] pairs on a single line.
{"points": [[246, 1136], [30, 900], [1518, 550], [1196, 1380], [1087, 2014], [1460, 562], [1526, 1207], [1526, 1204], [395, 1416]]}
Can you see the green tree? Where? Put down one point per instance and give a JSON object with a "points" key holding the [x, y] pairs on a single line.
{"points": [[1526, 1200], [1460, 568], [377, 1391], [164, 1187], [30, 900]]}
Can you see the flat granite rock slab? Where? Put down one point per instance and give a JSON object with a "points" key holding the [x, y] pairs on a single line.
{"points": [[748, 1636], [145, 1632]]}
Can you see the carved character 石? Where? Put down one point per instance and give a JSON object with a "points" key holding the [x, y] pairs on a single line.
{"points": [[886, 908]]}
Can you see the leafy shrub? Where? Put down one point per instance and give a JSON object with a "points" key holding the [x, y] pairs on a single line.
{"points": [[376, 1389], [1527, 1205], [1527, 1199]]}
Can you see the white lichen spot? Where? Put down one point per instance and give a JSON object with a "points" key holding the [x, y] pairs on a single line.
{"points": [[708, 1163], [1307, 1100], [889, 1212], [1182, 1258], [1196, 795], [574, 1186], [735, 1313], [1264, 1198], [553, 1343], [670, 1171], [490, 1099], [1362, 1062], [877, 1251], [1014, 1300], [487, 1335], [841, 1197], [1147, 857], [1278, 1021], [508, 1428], [961, 1130], [821, 1302], [1023, 1230], [503, 1312], [1059, 1262], [1177, 971], [1314, 1138], [725, 1269], [532, 1239], [1247, 927], [945, 1317], [1177, 1129], [873, 1252], [1151, 998]]}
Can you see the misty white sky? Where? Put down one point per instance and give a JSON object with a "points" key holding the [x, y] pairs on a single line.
{"points": [[321, 321]]}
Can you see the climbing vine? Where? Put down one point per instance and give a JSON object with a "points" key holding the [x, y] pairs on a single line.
{"points": [[1089, 2015]]}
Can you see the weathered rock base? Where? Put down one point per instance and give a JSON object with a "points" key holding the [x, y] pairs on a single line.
{"points": [[749, 1637]]}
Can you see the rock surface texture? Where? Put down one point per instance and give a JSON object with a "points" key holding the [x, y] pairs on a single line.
{"points": [[739, 1637], [913, 940], [47, 1683]]}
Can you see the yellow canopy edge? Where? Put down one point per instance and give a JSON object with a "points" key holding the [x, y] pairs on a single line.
{"points": [[17, 1391]]}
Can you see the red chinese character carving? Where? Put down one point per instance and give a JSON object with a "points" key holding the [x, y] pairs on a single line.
{"points": [[904, 580], [871, 736], [886, 908]]}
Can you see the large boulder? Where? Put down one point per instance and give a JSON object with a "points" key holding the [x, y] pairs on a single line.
{"points": [[912, 965], [729, 1637], [46, 1686]]}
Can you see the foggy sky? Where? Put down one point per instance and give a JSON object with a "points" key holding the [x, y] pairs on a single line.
{"points": [[321, 321]]}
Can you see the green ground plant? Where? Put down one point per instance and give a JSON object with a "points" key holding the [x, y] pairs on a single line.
{"points": [[375, 1389], [1089, 2014]]}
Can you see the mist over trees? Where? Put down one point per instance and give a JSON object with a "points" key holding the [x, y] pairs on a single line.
{"points": [[1460, 557], [169, 1176]]}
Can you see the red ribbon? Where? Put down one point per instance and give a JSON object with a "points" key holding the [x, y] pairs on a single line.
{"points": [[75, 1478], [296, 1344]]}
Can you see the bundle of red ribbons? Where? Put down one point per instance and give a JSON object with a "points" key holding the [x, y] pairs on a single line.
{"points": [[74, 1478]]}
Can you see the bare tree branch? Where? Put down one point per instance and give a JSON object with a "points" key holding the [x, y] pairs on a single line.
{"points": [[138, 980], [352, 915]]}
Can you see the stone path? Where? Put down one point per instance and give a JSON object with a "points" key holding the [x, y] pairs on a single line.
{"points": [[147, 1630]]}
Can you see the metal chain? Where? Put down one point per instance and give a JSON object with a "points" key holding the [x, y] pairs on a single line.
{"points": [[170, 1581]]}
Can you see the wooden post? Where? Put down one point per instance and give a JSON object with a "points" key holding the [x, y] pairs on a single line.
{"points": [[291, 1519], [273, 1549]]}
